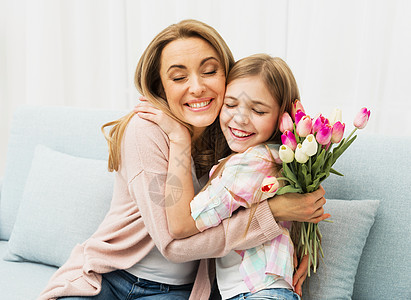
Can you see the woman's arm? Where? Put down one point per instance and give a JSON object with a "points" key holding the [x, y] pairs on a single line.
{"points": [[179, 189], [236, 186], [144, 164]]}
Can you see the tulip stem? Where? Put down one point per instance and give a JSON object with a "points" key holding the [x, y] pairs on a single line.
{"points": [[351, 134], [309, 165]]}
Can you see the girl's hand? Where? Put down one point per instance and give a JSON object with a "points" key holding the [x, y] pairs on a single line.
{"points": [[176, 132], [300, 274]]}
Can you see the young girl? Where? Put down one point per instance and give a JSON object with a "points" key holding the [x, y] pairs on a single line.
{"points": [[260, 89]]}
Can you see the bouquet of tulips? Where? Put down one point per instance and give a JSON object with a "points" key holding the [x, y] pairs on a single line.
{"points": [[309, 150]]}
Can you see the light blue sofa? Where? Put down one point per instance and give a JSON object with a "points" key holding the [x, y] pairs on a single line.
{"points": [[38, 221]]}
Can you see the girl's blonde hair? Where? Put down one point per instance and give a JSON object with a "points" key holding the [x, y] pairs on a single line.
{"points": [[280, 82], [147, 79]]}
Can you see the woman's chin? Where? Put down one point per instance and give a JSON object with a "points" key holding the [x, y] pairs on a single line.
{"points": [[201, 121]]}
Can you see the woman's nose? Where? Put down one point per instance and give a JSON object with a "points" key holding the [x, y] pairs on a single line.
{"points": [[197, 86]]}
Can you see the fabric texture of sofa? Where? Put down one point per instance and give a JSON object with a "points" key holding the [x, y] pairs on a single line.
{"points": [[56, 174]]}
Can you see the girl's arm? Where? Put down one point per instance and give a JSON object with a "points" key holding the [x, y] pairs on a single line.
{"points": [[179, 189]]}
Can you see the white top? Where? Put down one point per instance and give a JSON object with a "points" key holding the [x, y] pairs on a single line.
{"points": [[229, 279], [155, 267]]}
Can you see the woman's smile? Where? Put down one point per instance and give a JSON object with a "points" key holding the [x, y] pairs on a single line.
{"points": [[199, 104]]}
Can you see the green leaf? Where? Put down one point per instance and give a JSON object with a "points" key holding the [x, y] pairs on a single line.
{"points": [[288, 189], [285, 179], [340, 150], [329, 163], [288, 173], [318, 164], [335, 172]]}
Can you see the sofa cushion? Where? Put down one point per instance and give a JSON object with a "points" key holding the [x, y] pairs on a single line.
{"points": [[64, 201], [23, 280], [343, 242], [378, 167], [75, 131]]}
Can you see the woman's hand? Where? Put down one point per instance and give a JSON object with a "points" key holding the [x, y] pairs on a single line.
{"points": [[299, 207], [176, 132]]}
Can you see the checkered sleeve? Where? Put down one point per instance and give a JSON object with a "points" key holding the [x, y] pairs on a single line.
{"points": [[238, 185]]}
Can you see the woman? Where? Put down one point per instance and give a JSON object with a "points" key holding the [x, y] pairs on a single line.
{"points": [[183, 73]]}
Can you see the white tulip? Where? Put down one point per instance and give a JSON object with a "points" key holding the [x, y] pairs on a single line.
{"points": [[335, 116], [286, 154], [300, 156], [310, 145]]}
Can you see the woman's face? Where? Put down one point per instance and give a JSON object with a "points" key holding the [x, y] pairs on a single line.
{"points": [[194, 81], [249, 114]]}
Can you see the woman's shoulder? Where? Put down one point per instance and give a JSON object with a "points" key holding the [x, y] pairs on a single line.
{"points": [[143, 132], [145, 127]]}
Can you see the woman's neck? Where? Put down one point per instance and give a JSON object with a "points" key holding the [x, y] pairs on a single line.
{"points": [[197, 132]]}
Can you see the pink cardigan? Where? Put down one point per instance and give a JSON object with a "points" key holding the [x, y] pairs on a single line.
{"points": [[136, 222]]}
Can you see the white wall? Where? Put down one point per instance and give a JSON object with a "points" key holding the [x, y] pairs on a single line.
{"points": [[344, 53]]}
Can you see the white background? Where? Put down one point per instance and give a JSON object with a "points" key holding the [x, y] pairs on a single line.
{"points": [[347, 54]]}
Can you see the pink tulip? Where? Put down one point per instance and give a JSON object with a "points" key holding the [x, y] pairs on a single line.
{"points": [[297, 106], [304, 126], [323, 136], [288, 138], [337, 132], [319, 122], [270, 185], [286, 123], [298, 116], [362, 117]]}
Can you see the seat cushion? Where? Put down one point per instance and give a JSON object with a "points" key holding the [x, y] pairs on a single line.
{"points": [[22, 280]]}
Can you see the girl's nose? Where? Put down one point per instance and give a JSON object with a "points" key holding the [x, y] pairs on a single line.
{"points": [[197, 87], [241, 117]]}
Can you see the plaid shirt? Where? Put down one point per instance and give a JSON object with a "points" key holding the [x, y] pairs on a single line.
{"points": [[239, 185]]}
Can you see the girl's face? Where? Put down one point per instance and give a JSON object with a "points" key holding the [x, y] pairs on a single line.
{"points": [[194, 81], [249, 114]]}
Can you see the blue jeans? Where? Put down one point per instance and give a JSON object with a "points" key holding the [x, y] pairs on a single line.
{"points": [[279, 294], [125, 286]]}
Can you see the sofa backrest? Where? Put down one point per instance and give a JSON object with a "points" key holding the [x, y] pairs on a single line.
{"points": [[377, 167], [74, 131]]}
